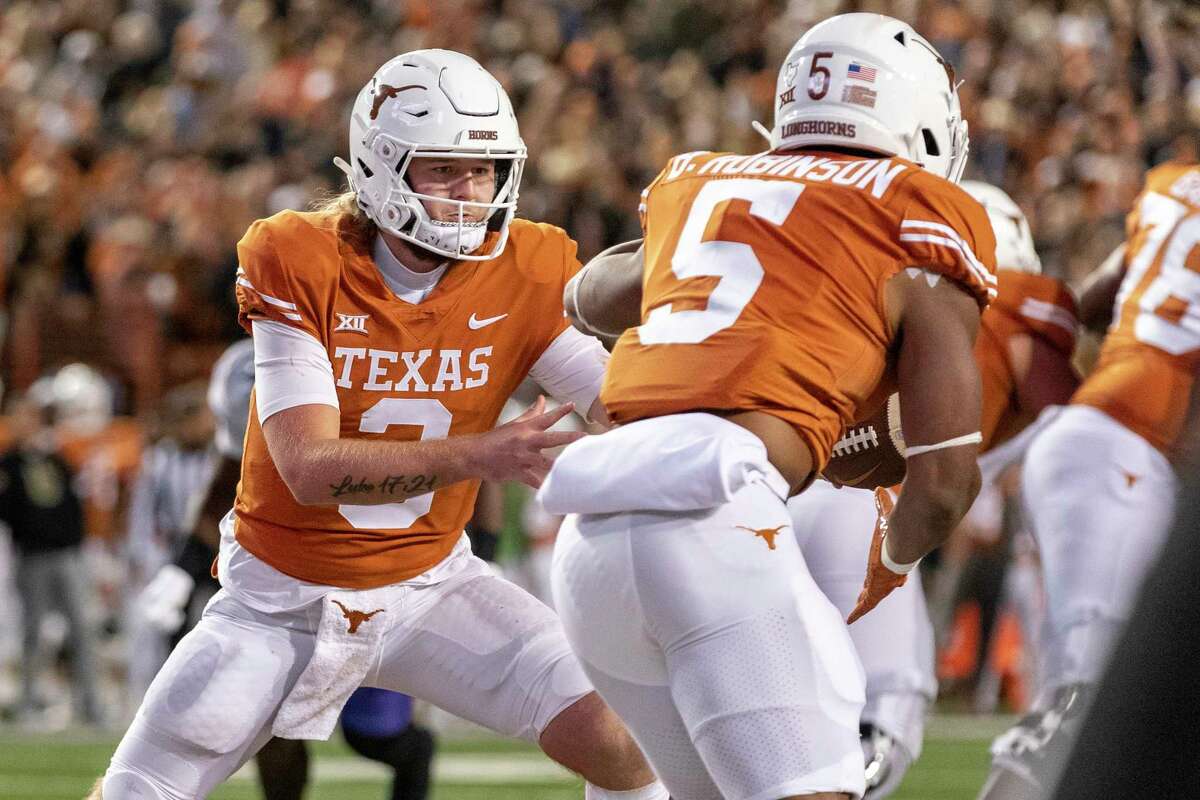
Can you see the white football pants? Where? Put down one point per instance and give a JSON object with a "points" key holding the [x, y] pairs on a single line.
{"points": [[704, 631], [895, 640], [467, 641], [1100, 501]]}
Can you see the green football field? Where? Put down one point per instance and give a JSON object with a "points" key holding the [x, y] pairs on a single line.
{"points": [[40, 766]]}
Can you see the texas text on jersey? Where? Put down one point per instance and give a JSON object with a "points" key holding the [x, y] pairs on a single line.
{"points": [[403, 372], [1148, 362], [774, 280]]}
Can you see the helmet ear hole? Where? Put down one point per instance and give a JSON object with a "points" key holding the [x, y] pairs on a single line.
{"points": [[931, 145], [503, 170]]}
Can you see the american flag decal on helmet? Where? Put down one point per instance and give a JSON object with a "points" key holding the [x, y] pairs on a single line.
{"points": [[860, 72]]}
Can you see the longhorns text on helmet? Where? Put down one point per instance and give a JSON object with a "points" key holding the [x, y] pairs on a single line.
{"points": [[870, 82], [443, 104]]}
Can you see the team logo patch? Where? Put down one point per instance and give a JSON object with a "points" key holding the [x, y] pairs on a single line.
{"points": [[766, 534], [383, 92], [355, 323], [354, 617]]}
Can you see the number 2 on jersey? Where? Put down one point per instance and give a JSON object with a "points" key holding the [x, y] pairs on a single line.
{"points": [[739, 271], [434, 421]]}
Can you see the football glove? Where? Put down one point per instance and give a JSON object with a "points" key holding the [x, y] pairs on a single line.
{"points": [[881, 580]]}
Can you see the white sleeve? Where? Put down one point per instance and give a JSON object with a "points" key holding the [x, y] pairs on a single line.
{"points": [[291, 368], [571, 369]]}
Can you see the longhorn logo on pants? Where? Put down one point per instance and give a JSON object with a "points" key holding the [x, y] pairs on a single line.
{"points": [[768, 534], [356, 618]]}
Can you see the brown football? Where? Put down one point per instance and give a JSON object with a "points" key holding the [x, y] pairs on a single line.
{"points": [[870, 453]]}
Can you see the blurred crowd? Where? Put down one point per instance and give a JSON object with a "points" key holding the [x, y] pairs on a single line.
{"points": [[139, 138]]}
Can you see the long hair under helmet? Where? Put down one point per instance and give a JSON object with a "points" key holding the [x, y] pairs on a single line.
{"points": [[443, 104], [871, 82]]}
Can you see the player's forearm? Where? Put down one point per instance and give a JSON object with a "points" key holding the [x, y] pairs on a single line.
{"points": [[935, 498], [1099, 292], [353, 472]]}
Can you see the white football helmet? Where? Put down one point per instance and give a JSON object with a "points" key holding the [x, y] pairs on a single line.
{"points": [[871, 82], [433, 103], [229, 390], [1014, 241], [82, 400]]}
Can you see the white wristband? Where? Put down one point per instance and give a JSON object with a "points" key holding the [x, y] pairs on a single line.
{"points": [[899, 569], [957, 441]]}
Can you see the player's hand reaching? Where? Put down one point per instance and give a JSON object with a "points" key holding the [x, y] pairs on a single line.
{"points": [[881, 580], [515, 451], [163, 603]]}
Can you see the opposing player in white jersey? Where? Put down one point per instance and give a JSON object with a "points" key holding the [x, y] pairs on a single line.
{"points": [[167, 599], [1023, 350], [389, 328], [780, 291], [1098, 482]]}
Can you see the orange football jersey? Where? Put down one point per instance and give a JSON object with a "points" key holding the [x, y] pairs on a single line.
{"points": [[764, 283], [403, 372], [1147, 365], [1032, 305]]}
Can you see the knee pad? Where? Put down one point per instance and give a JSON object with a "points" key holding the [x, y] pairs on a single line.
{"points": [[123, 784], [220, 685]]}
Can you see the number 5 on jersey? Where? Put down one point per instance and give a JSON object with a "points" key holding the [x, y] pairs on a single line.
{"points": [[734, 263]]}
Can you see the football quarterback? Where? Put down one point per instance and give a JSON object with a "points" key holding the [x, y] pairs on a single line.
{"points": [[389, 327]]}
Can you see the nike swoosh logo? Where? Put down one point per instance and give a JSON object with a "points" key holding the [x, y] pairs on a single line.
{"points": [[475, 324]]}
